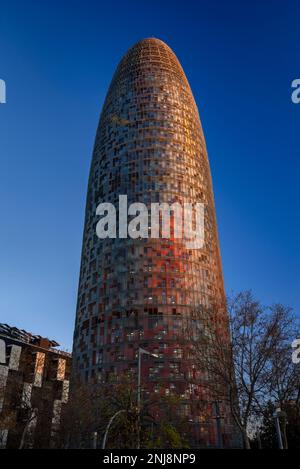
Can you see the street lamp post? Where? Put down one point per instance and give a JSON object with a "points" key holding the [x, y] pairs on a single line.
{"points": [[108, 426], [141, 352], [94, 440], [276, 416]]}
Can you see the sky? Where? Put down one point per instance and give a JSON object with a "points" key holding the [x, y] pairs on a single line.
{"points": [[57, 59]]}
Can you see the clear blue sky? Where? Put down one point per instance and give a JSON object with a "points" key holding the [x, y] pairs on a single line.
{"points": [[57, 59]]}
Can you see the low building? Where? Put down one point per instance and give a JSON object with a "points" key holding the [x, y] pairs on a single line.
{"points": [[34, 388]]}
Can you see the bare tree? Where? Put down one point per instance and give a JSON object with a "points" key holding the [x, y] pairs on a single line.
{"points": [[91, 407], [30, 421], [236, 357], [282, 375]]}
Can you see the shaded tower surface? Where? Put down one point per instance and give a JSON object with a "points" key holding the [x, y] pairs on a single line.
{"points": [[137, 292]]}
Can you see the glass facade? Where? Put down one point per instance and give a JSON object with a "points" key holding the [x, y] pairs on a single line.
{"points": [[138, 292]]}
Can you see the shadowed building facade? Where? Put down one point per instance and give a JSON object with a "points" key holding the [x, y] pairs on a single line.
{"points": [[138, 292], [34, 389]]}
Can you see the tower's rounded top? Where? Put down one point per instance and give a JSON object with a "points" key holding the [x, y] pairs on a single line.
{"points": [[151, 41], [150, 52], [151, 64]]}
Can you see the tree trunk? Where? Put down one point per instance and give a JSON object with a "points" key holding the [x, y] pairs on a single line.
{"points": [[285, 442], [24, 433], [246, 440], [259, 441]]}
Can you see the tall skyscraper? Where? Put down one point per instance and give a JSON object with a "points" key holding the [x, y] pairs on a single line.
{"points": [[136, 292]]}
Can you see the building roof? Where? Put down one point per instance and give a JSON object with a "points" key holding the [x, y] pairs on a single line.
{"points": [[24, 336]]}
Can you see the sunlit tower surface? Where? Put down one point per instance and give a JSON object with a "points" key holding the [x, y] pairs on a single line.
{"points": [[137, 292]]}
